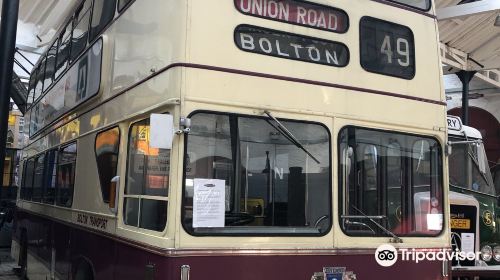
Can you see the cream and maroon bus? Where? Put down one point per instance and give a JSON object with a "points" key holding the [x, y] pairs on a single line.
{"points": [[245, 139]]}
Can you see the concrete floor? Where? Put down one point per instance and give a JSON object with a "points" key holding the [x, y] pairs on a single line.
{"points": [[6, 265]]}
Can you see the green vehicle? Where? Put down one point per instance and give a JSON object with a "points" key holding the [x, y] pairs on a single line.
{"points": [[474, 201]]}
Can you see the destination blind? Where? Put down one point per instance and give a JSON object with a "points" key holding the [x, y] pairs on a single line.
{"points": [[291, 46], [297, 12]]}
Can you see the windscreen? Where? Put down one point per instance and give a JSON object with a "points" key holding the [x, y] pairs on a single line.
{"points": [[243, 175]]}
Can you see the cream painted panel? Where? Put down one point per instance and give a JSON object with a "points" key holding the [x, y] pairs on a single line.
{"points": [[211, 42], [147, 37], [239, 90]]}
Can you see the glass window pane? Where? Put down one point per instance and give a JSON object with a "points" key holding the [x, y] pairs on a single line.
{"points": [[270, 185], [38, 178], [63, 50], [66, 175], [148, 168], [106, 149], [122, 4], [131, 211], [32, 85], [26, 190], [49, 190], [393, 177], [102, 13], [419, 4], [50, 66], [40, 75], [153, 214], [80, 30]]}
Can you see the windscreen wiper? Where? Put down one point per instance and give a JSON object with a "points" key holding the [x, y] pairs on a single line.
{"points": [[394, 239], [288, 135]]}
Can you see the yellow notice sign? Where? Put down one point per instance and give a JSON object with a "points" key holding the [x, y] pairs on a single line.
{"points": [[460, 223], [12, 120]]}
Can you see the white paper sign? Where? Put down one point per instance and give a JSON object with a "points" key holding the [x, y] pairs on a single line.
{"points": [[434, 221], [162, 131], [467, 242], [209, 203]]}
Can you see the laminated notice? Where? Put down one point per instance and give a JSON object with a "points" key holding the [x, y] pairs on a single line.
{"points": [[467, 239], [209, 203]]}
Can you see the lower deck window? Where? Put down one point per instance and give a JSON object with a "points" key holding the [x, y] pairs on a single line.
{"points": [[245, 175], [146, 191], [66, 167], [389, 181]]}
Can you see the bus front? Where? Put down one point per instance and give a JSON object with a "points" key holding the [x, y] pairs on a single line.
{"points": [[315, 142]]}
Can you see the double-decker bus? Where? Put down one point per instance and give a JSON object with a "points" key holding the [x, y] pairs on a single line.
{"points": [[252, 139]]}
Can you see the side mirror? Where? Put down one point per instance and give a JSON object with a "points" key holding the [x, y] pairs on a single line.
{"points": [[113, 194]]}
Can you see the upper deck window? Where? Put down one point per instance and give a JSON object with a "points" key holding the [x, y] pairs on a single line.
{"points": [[255, 177], [80, 29], [392, 179], [387, 48], [424, 5], [146, 191], [122, 4], [50, 65], [63, 50], [102, 13]]}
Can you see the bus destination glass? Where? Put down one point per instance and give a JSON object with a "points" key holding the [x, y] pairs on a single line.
{"points": [[297, 12], [291, 46], [387, 48]]}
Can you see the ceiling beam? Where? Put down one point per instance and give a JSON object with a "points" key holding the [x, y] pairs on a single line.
{"points": [[469, 9]]}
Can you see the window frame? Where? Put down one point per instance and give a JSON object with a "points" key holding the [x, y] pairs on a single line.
{"points": [[140, 197], [327, 231], [342, 190]]}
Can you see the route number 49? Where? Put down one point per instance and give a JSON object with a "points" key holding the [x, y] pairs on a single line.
{"points": [[402, 48]]}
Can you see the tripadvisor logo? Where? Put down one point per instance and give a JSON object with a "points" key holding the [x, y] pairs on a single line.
{"points": [[386, 255]]}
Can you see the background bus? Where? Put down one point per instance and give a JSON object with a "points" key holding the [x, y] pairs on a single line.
{"points": [[470, 175], [294, 122]]}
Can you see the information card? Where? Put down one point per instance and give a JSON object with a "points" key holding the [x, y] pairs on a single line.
{"points": [[209, 203]]}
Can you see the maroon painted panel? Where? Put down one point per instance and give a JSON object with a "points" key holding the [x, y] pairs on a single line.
{"points": [[112, 258]]}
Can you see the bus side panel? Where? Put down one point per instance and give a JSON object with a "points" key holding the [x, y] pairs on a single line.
{"points": [[62, 250], [138, 263], [99, 251], [302, 267]]}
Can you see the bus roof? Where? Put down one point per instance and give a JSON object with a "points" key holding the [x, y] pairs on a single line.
{"points": [[455, 127]]}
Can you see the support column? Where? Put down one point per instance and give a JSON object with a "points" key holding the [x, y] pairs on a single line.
{"points": [[465, 77], [8, 29]]}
